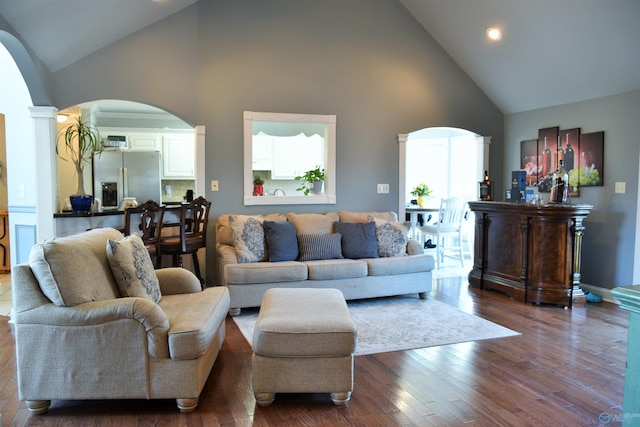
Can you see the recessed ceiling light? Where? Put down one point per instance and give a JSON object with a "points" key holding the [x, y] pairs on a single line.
{"points": [[494, 33]]}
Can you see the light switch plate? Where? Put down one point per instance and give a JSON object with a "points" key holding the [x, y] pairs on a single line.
{"points": [[621, 187], [383, 188]]}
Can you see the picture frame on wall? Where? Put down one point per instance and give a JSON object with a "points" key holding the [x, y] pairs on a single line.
{"points": [[548, 156], [591, 159], [529, 160], [569, 151]]}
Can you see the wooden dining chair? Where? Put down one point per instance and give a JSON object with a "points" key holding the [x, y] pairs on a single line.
{"points": [[191, 235], [145, 220]]}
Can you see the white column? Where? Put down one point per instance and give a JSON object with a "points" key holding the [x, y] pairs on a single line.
{"points": [[45, 136], [201, 184], [401, 138]]}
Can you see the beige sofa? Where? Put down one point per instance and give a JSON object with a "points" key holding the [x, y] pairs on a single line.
{"points": [[88, 324], [246, 267]]}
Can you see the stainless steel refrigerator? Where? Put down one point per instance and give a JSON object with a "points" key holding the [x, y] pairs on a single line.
{"points": [[120, 174]]}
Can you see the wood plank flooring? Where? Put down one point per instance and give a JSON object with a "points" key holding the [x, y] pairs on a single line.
{"points": [[566, 369]]}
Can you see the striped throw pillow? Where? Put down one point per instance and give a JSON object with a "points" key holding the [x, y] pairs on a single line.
{"points": [[319, 246]]}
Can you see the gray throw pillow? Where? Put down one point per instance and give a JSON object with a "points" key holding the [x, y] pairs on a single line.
{"points": [[319, 246], [358, 239], [132, 268], [282, 240]]}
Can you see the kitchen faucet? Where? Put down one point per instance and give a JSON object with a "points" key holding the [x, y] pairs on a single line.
{"points": [[275, 192]]}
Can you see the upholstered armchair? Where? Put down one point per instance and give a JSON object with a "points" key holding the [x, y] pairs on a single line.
{"points": [[93, 320]]}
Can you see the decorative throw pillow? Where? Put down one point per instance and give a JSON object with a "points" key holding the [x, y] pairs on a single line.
{"points": [[281, 240], [313, 223], [319, 246], [248, 237], [132, 268], [392, 237], [358, 239]]}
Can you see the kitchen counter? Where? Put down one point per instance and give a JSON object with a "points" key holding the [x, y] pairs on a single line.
{"points": [[68, 223]]}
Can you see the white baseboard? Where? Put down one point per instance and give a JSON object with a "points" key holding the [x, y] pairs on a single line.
{"points": [[603, 292]]}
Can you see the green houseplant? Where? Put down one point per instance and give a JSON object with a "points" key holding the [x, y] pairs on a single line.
{"points": [[82, 142], [312, 181]]}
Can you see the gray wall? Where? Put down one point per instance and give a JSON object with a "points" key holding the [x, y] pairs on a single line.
{"points": [[367, 61], [609, 239]]}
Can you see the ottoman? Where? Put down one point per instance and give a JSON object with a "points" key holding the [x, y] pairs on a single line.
{"points": [[303, 342]]}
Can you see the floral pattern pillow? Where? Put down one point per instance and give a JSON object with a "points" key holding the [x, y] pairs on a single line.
{"points": [[132, 268], [392, 237], [248, 237]]}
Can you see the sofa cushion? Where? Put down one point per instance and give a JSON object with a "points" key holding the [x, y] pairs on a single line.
{"points": [[282, 241], [319, 246], [358, 239], [347, 216], [392, 237], [389, 266], [74, 269], [312, 223], [248, 237], [264, 272], [224, 235], [194, 320], [132, 268], [332, 269]]}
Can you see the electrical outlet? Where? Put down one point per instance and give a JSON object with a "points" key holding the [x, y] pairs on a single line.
{"points": [[383, 188], [214, 185], [621, 187]]}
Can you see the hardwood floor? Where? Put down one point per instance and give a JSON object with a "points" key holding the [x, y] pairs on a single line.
{"points": [[565, 369]]}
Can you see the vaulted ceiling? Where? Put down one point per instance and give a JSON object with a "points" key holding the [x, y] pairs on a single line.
{"points": [[552, 52]]}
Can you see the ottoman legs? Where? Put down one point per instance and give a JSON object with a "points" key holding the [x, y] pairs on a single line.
{"points": [[272, 375]]}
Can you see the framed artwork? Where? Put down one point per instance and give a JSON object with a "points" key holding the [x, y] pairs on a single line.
{"points": [[591, 159], [569, 151], [548, 149], [583, 156], [529, 160]]}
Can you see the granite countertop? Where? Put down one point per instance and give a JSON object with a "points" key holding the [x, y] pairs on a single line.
{"points": [[72, 214]]}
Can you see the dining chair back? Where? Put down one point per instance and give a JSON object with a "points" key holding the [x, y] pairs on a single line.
{"points": [[191, 235], [448, 230], [145, 220]]}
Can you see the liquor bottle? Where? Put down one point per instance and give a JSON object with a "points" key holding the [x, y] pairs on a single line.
{"points": [[486, 188], [546, 159], [569, 159], [559, 185]]}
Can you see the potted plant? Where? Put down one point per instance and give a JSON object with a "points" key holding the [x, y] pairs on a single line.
{"points": [[312, 181], [421, 191], [81, 143], [258, 185]]}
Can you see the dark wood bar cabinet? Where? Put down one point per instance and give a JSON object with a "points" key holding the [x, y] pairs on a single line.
{"points": [[529, 252]]}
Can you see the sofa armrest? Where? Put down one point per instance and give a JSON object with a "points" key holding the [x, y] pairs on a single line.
{"points": [[177, 280], [227, 254], [100, 315], [414, 247]]}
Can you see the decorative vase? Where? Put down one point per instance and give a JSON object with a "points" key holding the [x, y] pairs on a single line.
{"points": [[317, 186], [421, 201], [81, 203], [258, 189]]}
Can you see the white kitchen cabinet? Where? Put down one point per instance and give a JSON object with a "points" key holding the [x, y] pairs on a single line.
{"points": [[293, 158], [178, 154], [262, 155], [143, 142]]}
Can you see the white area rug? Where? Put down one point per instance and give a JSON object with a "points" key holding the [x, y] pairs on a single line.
{"points": [[403, 323]]}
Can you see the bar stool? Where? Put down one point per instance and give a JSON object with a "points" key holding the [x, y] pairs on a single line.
{"points": [[192, 235], [150, 222]]}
